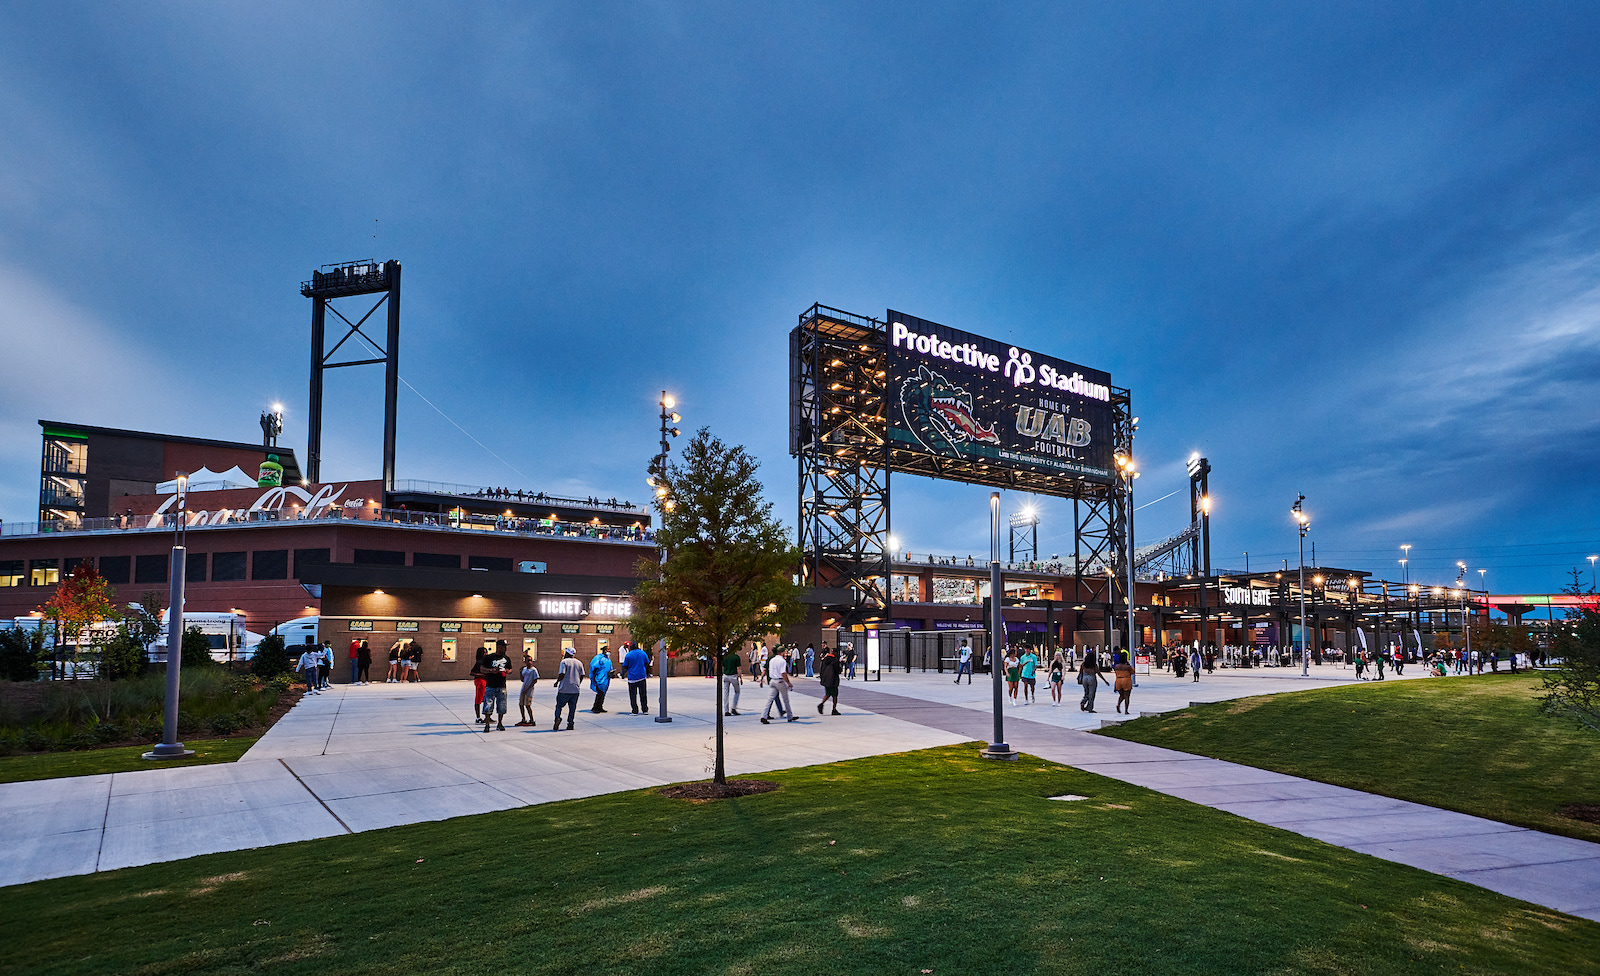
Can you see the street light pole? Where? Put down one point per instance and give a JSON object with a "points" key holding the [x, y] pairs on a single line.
{"points": [[1591, 571], [658, 469], [1305, 523], [170, 747], [997, 749], [1405, 570]]}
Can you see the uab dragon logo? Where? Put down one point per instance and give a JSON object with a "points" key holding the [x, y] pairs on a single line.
{"points": [[939, 413]]}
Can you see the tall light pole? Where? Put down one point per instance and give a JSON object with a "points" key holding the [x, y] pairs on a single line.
{"points": [[997, 749], [1405, 570], [170, 747], [1128, 471], [1304, 520], [657, 480], [1591, 571]]}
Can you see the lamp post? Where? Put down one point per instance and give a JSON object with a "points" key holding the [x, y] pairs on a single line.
{"points": [[1405, 570], [657, 480], [1128, 471], [1300, 516], [1591, 571], [170, 747], [997, 749]]}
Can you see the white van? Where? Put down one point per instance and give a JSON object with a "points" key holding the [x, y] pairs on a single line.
{"points": [[298, 632], [229, 639]]}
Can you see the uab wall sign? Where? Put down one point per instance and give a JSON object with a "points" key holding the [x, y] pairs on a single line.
{"points": [[406, 626], [569, 628], [450, 626], [494, 628], [533, 628], [360, 625], [605, 628]]}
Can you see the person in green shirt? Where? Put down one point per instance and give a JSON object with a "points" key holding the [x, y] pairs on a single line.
{"points": [[1030, 665], [730, 682]]}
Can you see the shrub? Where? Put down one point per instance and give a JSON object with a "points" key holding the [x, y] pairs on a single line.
{"points": [[197, 649], [222, 724], [271, 658], [124, 657], [20, 652]]}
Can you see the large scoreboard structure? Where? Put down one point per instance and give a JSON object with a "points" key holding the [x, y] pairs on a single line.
{"points": [[870, 397]]}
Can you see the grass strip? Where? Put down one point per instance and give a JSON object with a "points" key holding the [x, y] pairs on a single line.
{"points": [[1477, 745], [122, 759], [928, 862]]}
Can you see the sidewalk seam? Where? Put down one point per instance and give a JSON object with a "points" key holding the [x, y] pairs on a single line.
{"points": [[314, 796], [100, 849]]}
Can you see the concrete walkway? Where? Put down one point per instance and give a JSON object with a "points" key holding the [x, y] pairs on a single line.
{"points": [[356, 759], [1545, 869], [364, 758]]}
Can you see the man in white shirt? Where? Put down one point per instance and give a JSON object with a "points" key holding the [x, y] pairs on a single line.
{"points": [[778, 678], [964, 662], [307, 666], [569, 679]]}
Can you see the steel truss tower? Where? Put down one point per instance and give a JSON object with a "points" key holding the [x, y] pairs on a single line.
{"points": [[351, 279], [838, 434]]}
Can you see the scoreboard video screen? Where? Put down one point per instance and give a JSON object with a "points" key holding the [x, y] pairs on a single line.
{"points": [[956, 395]]}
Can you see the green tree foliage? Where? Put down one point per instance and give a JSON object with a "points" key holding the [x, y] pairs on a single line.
{"points": [[197, 649], [271, 658], [125, 655], [726, 578], [1573, 689], [20, 653], [83, 598]]}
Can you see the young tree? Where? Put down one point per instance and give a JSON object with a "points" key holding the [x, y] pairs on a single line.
{"points": [[726, 576], [83, 598], [1573, 690], [20, 653]]}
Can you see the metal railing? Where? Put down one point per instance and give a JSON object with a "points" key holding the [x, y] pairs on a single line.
{"points": [[517, 495], [526, 527]]}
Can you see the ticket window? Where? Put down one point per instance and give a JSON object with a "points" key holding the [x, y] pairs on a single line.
{"points": [[530, 647], [568, 644], [448, 646]]}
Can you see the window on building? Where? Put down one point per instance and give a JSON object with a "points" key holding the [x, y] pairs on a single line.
{"points": [[12, 572], [380, 557], [150, 569], [501, 564], [73, 562], [227, 566], [116, 568], [266, 564], [43, 572], [194, 568], [905, 589], [436, 560], [310, 557]]}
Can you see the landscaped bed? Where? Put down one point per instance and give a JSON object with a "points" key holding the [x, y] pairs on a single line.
{"points": [[1476, 744], [68, 728], [930, 862]]}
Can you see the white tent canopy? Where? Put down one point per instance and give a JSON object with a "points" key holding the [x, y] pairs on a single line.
{"points": [[208, 480]]}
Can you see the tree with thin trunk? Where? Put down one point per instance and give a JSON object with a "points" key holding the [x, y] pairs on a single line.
{"points": [[725, 578], [83, 598]]}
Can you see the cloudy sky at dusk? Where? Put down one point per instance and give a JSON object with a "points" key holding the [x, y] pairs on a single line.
{"points": [[1350, 250]]}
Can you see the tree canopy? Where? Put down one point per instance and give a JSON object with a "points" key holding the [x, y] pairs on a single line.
{"points": [[726, 575], [83, 598], [1573, 689]]}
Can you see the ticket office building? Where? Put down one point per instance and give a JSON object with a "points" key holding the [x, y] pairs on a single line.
{"points": [[449, 614]]}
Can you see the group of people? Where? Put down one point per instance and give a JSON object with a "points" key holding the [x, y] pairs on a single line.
{"points": [[314, 665], [796, 661], [492, 668], [773, 671], [1022, 670]]}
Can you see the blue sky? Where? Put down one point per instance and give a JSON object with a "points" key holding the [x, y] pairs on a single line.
{"points": [[1347, 250]]}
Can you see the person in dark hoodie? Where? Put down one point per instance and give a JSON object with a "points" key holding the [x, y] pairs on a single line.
{"points": [[828, 676]]}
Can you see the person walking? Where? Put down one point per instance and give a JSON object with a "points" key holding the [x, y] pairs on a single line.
{"points": [[850, 663], [1123, 686], [307, 666], [1194, 664], [364, 664], [811, 656], [1029, 667], [730, 682], [1013, 675], [600, 676], [355, 661], [637, 663], [1377, 662], [495, 667], [778, 679], [964, 661], [1089, 677], [530, 680], [478, 684], [1058, 677], [569, 681], [828, 677]]}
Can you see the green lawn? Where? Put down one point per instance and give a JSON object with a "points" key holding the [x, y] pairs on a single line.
{"points": [[933, 861], [1474, 744], [49, 765]]}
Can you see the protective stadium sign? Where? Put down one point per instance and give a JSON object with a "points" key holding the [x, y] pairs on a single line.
{"points": [[959, 396]]}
